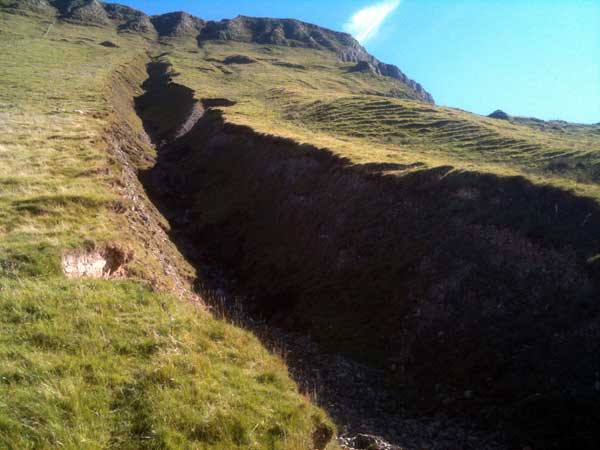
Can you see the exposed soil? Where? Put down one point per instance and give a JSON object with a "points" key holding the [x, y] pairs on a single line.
{"points": [[370, 413], [472, 298], [133, 151], [105, 262]]}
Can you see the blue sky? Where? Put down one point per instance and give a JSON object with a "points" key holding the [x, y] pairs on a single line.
{"points": [[537, 58]]}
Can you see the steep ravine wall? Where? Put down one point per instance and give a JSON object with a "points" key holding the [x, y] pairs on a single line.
{"points": [[158, 261], [160, 264], [478, 293]]}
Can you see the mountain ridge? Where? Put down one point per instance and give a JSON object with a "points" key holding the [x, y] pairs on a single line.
{"points": [[293, 32], [262, 30]]}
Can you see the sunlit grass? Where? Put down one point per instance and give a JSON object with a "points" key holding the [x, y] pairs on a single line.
{"points": [[353, 115], [113, 365], [99, 364], [55, 170], [106, 364]]}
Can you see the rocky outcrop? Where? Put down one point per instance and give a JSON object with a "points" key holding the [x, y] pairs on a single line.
{"points": [[294, 33], [285, 32], [177, 24], [238, 59], [129, 19], [288, 32], [65, 6], [499, 114], [109, 44], [90, 12], [364, 67], [82, 11], [389, 70], [36, 6]]}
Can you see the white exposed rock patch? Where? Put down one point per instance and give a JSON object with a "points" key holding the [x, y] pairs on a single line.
{"points": [[95, 263], [195, 115], [84, 265]]}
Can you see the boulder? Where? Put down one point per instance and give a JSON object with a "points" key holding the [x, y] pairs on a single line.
{"points": [[499, 114]]}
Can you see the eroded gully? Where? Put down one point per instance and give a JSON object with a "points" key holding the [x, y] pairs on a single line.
{"points": [[367, 412]]}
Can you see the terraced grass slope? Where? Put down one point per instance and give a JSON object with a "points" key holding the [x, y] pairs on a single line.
{"points": [[317, 99], [552, 149], [129, 360]]}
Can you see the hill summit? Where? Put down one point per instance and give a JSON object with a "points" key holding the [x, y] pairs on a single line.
{"points": [[294, 33], [284, 32]]}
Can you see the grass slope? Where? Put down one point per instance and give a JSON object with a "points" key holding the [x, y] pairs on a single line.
{"points": [[437, 243], [106, 364], [135, 367], [311, 97], [114, 365]]}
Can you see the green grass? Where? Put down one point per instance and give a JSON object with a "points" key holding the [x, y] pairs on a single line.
{"points": [[54, 170], [90, 364], [350, 114], [101, 364], [60, 186], [568, 151], [95, 364]]}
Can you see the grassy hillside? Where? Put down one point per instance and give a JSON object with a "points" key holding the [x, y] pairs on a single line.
{"points": [[311, 97], [458, 253], [107, 363]]}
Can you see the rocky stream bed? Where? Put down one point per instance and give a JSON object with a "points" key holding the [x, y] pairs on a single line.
{"points": [[369, 415]]}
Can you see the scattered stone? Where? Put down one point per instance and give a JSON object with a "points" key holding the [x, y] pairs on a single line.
{"points": [[109, 44], [238, 59], [369, 416], [363, 441], [366, 442]]}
